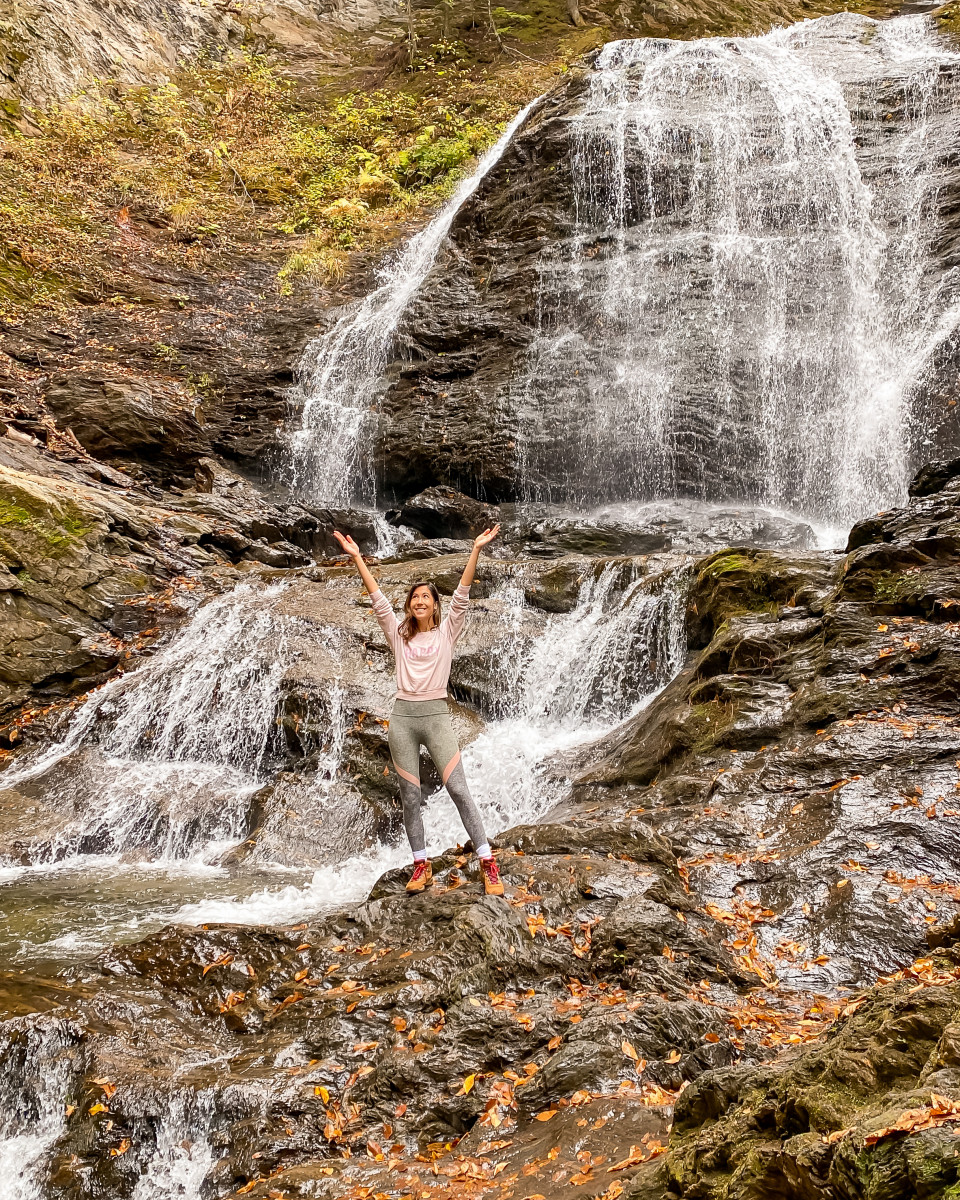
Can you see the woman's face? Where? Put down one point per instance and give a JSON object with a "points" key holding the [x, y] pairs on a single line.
{"points": [[421, 604]]}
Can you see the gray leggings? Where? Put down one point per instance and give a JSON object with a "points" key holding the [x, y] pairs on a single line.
{"points": [[416, 723]]}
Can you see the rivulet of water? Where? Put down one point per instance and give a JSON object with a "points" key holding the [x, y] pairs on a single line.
{"points": [[342, 370], [35, 1076], [750, 295]]}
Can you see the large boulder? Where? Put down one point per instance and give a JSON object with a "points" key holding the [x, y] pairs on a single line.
{"points": [[442, 512], [134, 422]]}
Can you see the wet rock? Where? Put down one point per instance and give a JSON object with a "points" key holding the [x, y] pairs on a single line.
{"points": [[132, 422], [934, 477], [441, 512], [677, 526], [70, 555], [776, 823], [819, 1123]]}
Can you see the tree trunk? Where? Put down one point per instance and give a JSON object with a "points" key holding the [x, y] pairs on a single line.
{"points": [[411, 35], [573, 10]]}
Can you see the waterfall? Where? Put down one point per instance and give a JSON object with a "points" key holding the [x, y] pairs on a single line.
{"points": [[749, 294], [342, 371], [162, 761], [183, 1157], [36, 1072], [623, 642], [591, 669]]}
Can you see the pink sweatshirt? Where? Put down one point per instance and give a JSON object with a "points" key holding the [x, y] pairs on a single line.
{"points": [[423, 663]]}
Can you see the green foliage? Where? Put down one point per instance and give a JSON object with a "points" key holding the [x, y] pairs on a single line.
{"points": [[225, 152], [891, 587], [726, 564], [506, 21]]}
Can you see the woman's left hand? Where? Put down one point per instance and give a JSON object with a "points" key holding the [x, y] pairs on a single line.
{"points": [[484, 539]]}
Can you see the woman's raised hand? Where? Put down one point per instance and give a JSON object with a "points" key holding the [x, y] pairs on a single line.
{"points": [[484, 539], [349, 545]]}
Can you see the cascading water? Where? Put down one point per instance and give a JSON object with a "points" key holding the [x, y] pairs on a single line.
{"points": [[749, 295], [590, 669], [341, 372], [161, 762], [35, 1074]]}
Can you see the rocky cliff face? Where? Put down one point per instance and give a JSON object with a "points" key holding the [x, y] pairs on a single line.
{"points": [[49, 50]]}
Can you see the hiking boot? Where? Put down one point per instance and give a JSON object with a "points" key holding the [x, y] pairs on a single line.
{"points": [[492, 884], [422, 875]]}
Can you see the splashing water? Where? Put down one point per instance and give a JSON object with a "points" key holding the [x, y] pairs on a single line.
{"points": [[749, 293], [162, 762], [342, 370], [591, 669], [35, 1077], [183, 1157]]}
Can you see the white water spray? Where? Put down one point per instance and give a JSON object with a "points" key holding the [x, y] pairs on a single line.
{"points": [[161, 762], [35, 1077], [750, 291]]}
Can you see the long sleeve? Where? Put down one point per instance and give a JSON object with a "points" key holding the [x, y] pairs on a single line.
{"points": [[386, 617], [452, 625]]}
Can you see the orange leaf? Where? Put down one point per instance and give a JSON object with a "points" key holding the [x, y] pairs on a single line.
{"points": [[547, 1115]]}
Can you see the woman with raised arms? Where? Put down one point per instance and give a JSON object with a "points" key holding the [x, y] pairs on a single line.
{"points": [[422, 646]]}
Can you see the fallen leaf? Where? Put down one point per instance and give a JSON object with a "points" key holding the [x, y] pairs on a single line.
{"points": [[468, 1084], [673, 1057], [629, 1051], [548, 1115], [223, 961]]}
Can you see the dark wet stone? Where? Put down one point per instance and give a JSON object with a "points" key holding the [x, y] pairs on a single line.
{"points": [[441, 512]]}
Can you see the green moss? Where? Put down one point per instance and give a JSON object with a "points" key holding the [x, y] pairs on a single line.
{"points": [[894, 586], [705, 723], [726, 563], [68, 527]]}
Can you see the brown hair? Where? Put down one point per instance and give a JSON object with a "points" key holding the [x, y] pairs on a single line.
{"points": [[408, 626]]}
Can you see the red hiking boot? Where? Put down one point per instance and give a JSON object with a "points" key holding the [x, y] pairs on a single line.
{"points": [[422, 875], [492, 884]]}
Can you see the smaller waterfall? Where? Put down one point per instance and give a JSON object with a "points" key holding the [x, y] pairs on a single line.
{"points": [[35, 1077], [162, 761], [591, 668], [342, 371], [624, 641], [183, 1158]]}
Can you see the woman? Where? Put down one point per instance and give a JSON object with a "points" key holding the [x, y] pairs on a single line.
{"points": [[422, 646]]}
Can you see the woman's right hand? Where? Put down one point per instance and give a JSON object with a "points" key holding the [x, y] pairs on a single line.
{"points": [[349, 545]]}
